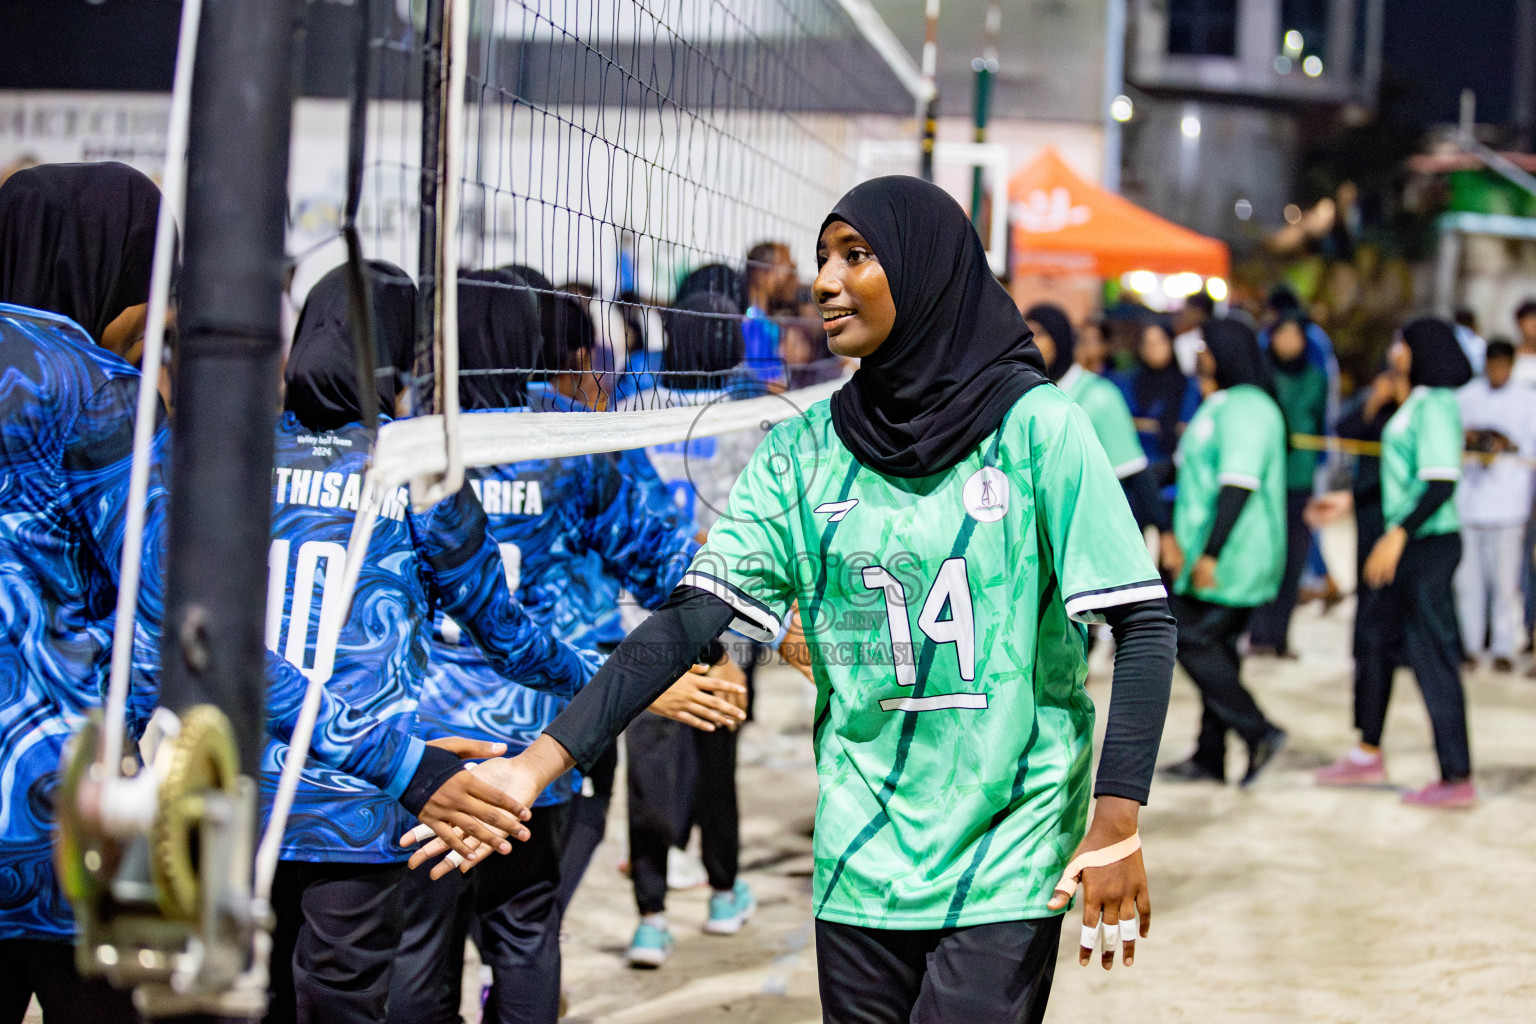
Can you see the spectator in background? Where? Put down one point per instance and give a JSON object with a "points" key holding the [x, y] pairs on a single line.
{"points": [[1302, 391], [1187, 341], [1093, 347], [1525, 355], [1364, 418], [772, 286], [1472, 343], [1161, 398], [804, 345], [1494, 501]]}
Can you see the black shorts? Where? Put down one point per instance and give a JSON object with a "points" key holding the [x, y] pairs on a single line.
{"points": [[986, 974]]}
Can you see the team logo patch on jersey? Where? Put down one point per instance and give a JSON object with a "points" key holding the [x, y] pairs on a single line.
{"points": [[837, 510], [986, 495]]}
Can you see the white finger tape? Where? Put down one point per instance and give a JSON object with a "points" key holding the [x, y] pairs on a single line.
{"points": [[1128, 930], [421, 833], [1111, 937], [454, 859], [1090, 936]]}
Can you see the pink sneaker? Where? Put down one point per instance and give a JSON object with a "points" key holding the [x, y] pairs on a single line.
{"points": [[1349, 770], [1443, 794]]}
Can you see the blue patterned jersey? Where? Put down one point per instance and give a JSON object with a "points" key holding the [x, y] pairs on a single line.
{"points": [[66, 440], [571, 533], [66, 437], [442, 558]]}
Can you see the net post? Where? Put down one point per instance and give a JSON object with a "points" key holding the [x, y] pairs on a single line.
{"points": [[225, 392]]}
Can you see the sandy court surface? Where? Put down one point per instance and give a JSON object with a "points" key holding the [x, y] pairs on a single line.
{"points": [[1284, 903]]}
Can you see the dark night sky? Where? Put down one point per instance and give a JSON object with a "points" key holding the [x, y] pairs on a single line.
{"points": [[1436, 47], [1440, 47]]}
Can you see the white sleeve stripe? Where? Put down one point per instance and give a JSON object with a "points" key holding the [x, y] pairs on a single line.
{"points": [[1440, 473], [1131, 468], [752, 621], [1243, 480], [1080, 605]]}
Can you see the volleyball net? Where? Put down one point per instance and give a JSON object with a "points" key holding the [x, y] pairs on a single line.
{"points": [[612, 161]]}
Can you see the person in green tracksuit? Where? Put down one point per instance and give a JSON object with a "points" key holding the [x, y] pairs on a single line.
{"points": [[1301, 388], [1227, 550], [1068, 365], [944, 528]]}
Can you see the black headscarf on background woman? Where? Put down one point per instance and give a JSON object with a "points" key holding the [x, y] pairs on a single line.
{"points": [[1239, 360], [1164, 384], [78, 239], [1299, 362], [321, 376], [1054, 319], [959, 354], [499, 330], [1438, 359], [704, 341]]}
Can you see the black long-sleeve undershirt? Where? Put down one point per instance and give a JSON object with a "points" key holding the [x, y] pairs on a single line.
{"points": [[1436, 493], [1229, 505], [675, 637], [1146, 639], [659, 650], [1147, 505]]}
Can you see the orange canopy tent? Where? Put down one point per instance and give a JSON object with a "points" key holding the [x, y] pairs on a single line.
{"points": [[1062, 225]]}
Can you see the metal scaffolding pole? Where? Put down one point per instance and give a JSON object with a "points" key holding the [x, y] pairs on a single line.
{"points": [[930, 112]]}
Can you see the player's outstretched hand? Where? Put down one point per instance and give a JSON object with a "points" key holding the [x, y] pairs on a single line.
{"points": [[472, 815], [1115, 894], [507, 782], [704, 699]]}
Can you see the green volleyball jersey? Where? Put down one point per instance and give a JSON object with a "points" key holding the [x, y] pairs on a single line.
{"points": [[1111, 419], [1421, 442], [953, 734], [1237, 438]]}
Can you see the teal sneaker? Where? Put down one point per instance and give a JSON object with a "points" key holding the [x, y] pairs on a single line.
{"points": [[650, 947], [728, 911]]}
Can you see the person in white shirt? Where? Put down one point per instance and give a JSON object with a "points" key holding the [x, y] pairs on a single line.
{"points": [[1187, 339], [1494, 502], [1525, 356], [1472, 343]]}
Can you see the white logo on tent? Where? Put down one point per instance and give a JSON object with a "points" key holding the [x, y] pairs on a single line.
{"points": [[1042, 212]]}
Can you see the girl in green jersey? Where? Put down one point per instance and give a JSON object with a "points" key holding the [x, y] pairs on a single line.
{"points": [[1105, 406], [1227, 549], [1411, 569], [947, 526]]}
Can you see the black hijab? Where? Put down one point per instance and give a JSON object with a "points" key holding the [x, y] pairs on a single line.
{"points": [[704, 340], [1162, 387], [1239, 360], [1299, 362], [1054, 319], [711, 277], [321, 375], [959, 355], [78, 239], [1438, 360], [499, 330]]}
